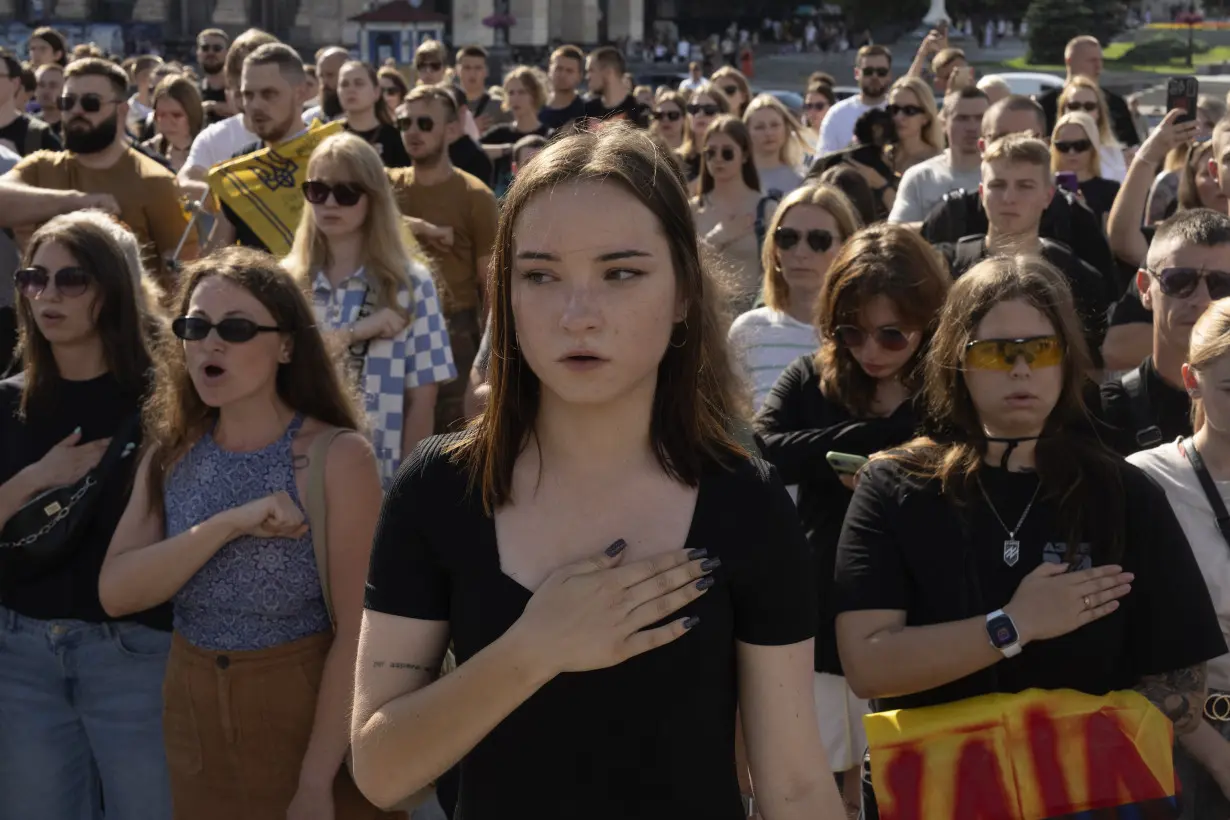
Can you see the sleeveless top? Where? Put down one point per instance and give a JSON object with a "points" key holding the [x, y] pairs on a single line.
{"points": [[254, 593]]}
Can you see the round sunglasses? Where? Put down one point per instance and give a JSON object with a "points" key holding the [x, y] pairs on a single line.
{"points": [[727, 154], [1181, 283], [1003, 354], [1073, 146], [887, 337], [905, 110], [234, 330], [346, 194], [818, 240], [69, 282], [730, 90]]}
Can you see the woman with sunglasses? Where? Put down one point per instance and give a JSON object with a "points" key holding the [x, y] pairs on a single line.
{"points": [[855, 397], [917, 121], [816, 104], [247, 415], [1076, 149], [806, 232], [80, 690], [669, 121], [1202, 758], [515, 540], [1010, 550], [371, 287], [1083, 96], [729, 207], [178, 116], [705, 105], [431, 63], [367, 113], [778, 146], [731, 82], [393, 87]]}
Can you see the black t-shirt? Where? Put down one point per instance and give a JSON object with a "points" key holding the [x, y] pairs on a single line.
{"points": [[1099, 195], [906, 547], [1121, 122], [244, 235], [387, 141], [1167, 407], [99, 407], [555, 118], [467, 155], [1129, 310], [627, 109], [796, 427], [507, 134], [665, 719], [15, 134]]}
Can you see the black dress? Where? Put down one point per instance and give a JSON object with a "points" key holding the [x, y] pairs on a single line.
{"points": [[651, 738]]}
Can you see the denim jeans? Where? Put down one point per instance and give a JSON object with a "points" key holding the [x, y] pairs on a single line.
{"points": [[80, 709]]}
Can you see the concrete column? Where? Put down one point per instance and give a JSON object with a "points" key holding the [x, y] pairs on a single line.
{"points": [[580, 21], [555, 13], [533, 22], [468, 28], [627, 19], [71, 9], [231, 13]]}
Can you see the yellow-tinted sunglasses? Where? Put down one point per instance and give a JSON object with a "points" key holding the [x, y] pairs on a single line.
{"points": [[1002, 354]]}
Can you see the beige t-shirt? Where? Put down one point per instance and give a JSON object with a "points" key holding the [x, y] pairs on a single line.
{"points": [[738, 260], [1167, 465]]}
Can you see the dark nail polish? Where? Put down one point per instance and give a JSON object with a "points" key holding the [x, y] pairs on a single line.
{"points": [[711, 564], [688, 623], [616, 548], [696, 555], [705, 583]]}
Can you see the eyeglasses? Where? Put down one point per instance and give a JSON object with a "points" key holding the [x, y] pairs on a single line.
{"points": [[213, 48], [346, 194], [727, 154], [906, 110], [874, 72], [69, 282], [820, 106], [708, 109], [1003, 354], [730, 90], [429, 66], [669, 116], [1181, 282], [817, 239], [1073, 146], [90, 103], [887, 337], [1079, 106], [424, 124], [234, 330]]}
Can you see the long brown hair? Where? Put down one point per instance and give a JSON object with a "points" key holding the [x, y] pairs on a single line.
{"points": [[175, 416], [695, 395], [1073, 467], [381, 107], [119, 319], [734, 128], [179, 88], [881, 260]]}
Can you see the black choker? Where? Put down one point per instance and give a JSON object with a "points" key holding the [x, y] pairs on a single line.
{"points": [[1012, 443]]}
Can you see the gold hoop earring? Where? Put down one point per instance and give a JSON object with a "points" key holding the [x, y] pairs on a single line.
{"points": [[685, 335]]}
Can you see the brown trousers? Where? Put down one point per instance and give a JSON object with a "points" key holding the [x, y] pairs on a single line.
{"points": [[236, 727]]}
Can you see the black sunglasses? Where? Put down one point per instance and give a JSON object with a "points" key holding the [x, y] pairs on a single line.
{"points": [[727, 154], [211, 47], [69, 282], [669, 116], [390, 91], [428, 66], [817, 239], [90, 103], [708, 109], [887, 337], [346, 194], [424, 124], [730, 90], [907, 110], [874, 72], [234, 330], [1073, 146], [1181, 282], [1079, 106], [820, 106]]}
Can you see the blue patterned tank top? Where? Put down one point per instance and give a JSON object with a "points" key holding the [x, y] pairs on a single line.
{"points": [[254, 593]]}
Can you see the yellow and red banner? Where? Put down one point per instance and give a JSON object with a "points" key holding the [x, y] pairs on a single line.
{"points": [[1036, 755], [263, 188]]}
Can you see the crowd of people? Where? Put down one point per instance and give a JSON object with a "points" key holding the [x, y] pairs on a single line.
{"points": [[645, 439]]}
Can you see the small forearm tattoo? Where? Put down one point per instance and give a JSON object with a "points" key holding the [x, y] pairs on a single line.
{"points": [[1179, 695], [412, 667]]}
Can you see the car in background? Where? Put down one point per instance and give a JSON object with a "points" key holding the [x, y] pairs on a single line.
{"points": [[1029, 83], [792, 100]]}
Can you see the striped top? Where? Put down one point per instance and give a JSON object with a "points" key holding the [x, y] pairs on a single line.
{"points": [[764, 342]]}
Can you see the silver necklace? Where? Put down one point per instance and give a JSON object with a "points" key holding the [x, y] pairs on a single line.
{"points": [[1012, 547]]}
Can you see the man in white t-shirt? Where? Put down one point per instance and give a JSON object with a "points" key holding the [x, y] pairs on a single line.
{"points": [[873, 73], [695, 79], [923, 186]]}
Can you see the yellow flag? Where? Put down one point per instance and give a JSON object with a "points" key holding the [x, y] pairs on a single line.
{"points": [[263, 188]]}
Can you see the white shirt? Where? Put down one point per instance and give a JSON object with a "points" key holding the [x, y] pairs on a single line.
{"points": [[765, 341], [689, 85], [219, 142], [837, 130], [1113, 165], [924, 185]]}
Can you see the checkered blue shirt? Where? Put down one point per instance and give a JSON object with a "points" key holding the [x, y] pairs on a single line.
{"points": [[421, 354]]}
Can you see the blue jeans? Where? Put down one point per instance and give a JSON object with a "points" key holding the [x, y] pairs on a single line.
{"points": [[80, 717]]}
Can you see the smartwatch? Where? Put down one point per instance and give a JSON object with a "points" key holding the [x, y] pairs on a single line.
{"points": [[1002, 632]]}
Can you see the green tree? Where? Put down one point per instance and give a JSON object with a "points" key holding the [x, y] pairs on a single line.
{"points": [[1052, 23], [1109, 19]]}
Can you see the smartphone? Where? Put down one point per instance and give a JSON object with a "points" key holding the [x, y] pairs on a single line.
{"points": [[1068, 181], [1181, 93], [845, 463]]}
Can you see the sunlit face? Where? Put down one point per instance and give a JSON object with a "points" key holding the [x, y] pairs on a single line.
{"points": [[430, 68], [873, 75], [702, 120], [50, 83], [1219, 164], [964, 125], [334, 220], [768, 132], [1014, 402], [211, 54], [61, 319], [876, 361], [41, 52], [329, 68], [271, 105], [1086, 61], [1015, 194], [733, 91], [723, 157], [1211, 384], [945, 74], [170, 118], [1073, 136], [520, 100], [1174, 316], [596, 76], [423, 145], [909, 115], [802, 266], [1085, 100], [670, 129], [473, 72], [565, 74], [228, 372], [355, 89], [815, 107], [594, 299], [1207, 188], [78, 120], [391, 93]]}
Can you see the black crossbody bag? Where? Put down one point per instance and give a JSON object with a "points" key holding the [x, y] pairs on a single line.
{"points": [[1188, 447]]}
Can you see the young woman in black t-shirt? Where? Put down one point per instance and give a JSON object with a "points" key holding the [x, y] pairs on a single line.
{"points": [[1019, 552], [614, 572], [79, 691], [875, 316], [368, 114]]}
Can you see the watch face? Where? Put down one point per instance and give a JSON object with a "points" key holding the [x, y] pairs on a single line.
{"points": [[1002, 632]]}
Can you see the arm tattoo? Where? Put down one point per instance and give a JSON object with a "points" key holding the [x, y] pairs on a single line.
{"points": [[411, 667], [1178, 694]]}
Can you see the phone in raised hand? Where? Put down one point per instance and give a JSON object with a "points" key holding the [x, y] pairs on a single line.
{"points": [[1181, 94]]}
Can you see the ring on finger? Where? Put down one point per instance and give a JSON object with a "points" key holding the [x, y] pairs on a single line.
{"points": [[1086, 600]]}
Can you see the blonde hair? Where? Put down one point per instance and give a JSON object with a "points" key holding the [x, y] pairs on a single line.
{"points": [[533, 82], [817, 195], [1210, 341], [794, 149], [1090, 128], [1075, 84], [933, 132], [387, 244]]}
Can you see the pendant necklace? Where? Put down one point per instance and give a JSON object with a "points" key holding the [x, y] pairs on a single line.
{"points": [[1012, 547]]}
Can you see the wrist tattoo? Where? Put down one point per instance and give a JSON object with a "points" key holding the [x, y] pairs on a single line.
{"points": [[412, 667], [1179, 695]]}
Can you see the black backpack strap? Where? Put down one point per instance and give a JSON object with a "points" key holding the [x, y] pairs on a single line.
{"points": [[1148, 434], [762, 206], [969, 252], [1188, 446]]}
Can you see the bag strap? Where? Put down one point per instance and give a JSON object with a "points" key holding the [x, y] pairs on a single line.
{"points": [[969, 252], [1188, 447], [1148, 434], [317, 512], [762, 226]]}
